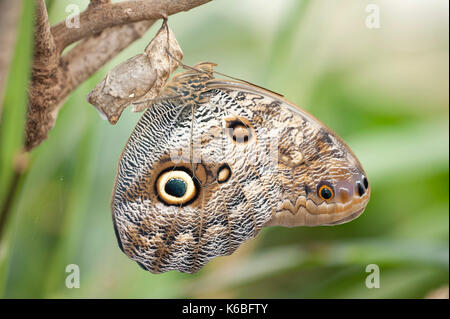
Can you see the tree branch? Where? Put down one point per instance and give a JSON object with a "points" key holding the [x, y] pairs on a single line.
{"points": [[100, 49], [105, 30], [45, 55], [101, 15], [46, 81], [94, 3]]}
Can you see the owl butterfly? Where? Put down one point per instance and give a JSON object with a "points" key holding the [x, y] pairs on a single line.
{"points": [[214, 161]]}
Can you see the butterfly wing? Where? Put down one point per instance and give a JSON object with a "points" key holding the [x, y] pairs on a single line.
{"points": [[232, 199], [310, 157], [200, 176]]}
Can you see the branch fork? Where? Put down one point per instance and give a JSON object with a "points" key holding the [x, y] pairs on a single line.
{"points": [[105, 29]]}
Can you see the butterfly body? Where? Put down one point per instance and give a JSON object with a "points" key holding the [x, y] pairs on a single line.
{"points": [[207, 168]]}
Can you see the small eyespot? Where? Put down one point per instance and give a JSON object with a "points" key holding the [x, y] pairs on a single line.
{"points": [[240, 130], [325, 191], [223, 174], [360, 188], [365, 182], [175, 187]]}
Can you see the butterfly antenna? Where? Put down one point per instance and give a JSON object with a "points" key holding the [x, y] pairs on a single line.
{"points": [[237, 79], [185, 66]]}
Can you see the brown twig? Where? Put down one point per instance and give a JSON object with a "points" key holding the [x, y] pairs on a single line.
{"points": [[46, 81], [94, 3], [103, 15], [105, 29], [101, 49]]}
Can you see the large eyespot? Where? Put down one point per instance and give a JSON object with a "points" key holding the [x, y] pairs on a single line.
{"points": [[325, 191], [365, 182], [175, 187], [239, 129]]}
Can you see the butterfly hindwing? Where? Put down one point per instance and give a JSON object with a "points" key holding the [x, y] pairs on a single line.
{"points": [[225, 211]]}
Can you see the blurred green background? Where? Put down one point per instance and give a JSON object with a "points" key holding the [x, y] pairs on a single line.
{"points": [[384, 91]]}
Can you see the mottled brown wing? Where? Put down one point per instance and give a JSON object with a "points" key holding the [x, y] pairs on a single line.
{"points": [[234, 191], [311, 158], [204, 173]]}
